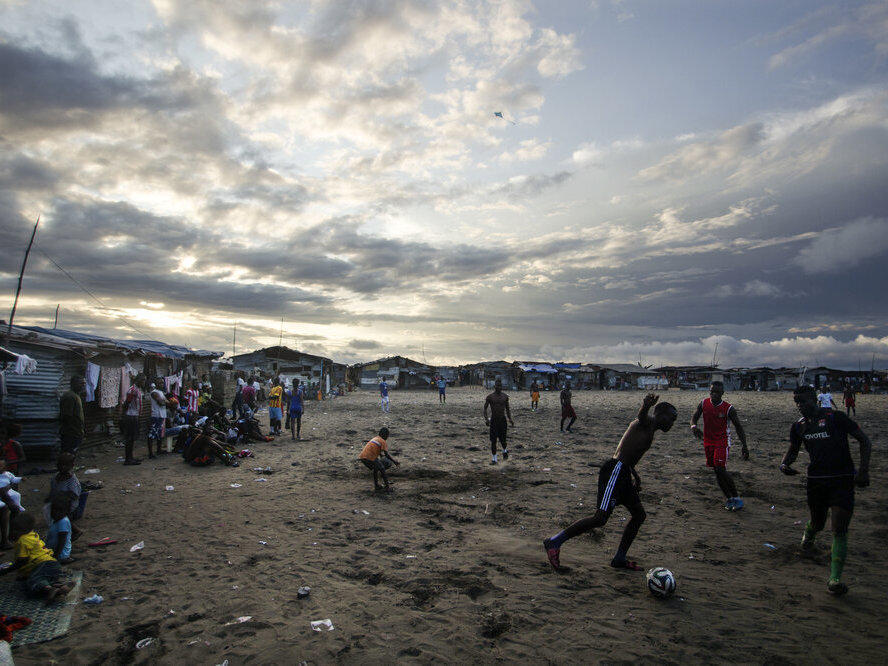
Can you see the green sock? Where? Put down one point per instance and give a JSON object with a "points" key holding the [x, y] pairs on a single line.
{"points": [[839, 551], [810, 532]]}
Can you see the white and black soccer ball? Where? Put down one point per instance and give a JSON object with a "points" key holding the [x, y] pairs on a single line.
{"points": [[660, 582]]}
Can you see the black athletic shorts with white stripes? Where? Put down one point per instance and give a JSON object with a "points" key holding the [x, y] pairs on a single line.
{"points": [[615, 486]]}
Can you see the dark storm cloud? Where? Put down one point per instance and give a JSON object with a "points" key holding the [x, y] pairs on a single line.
{"points": [[37, 88], [20, 172]]}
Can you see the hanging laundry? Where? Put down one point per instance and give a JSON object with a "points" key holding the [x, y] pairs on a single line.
{"points": [[125, 382], [110, 383], [92, 380], [25, 365]]}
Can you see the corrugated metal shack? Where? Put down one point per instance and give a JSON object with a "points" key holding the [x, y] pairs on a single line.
{"points": [[280, 361], [33, 400], [487, 372], [628, 376], [399, 372], [693, 377], [526, 372]]}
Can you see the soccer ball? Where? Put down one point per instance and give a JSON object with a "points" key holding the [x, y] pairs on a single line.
{"points": [[660, 582]]}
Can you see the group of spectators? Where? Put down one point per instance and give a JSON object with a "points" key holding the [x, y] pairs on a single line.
{"points": [[38, 559]]}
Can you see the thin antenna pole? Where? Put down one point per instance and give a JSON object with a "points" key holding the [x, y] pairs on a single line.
{"points": [[55, 324], [18, 289]]}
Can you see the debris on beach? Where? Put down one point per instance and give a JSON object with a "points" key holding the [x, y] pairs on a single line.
{"points": [[239, 620], [320, 625], [138, 546]]}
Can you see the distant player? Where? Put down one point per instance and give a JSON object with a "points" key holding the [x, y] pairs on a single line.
{"points": [[716, 436], [831, 476], [534, 396], [442, 390], [825, 399], [499, 412], [294, 410], [384, 395], [276, 407], [618, 483], [567, 410], [850, 400]]}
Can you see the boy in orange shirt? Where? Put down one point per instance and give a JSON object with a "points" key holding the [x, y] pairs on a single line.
{"points": [[376, 457]]}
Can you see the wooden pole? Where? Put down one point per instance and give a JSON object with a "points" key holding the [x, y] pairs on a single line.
{"points": [[18, 289], [55, 324]]}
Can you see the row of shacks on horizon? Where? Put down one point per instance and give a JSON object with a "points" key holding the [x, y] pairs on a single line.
{"points": [[38, 363]]}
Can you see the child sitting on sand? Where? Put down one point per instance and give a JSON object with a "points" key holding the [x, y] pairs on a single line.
{"points": [[58, 538], [376, 457], [36, 566]]}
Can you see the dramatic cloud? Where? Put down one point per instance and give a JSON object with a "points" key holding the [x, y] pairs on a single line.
{"points": [[844, 248], [340, 166]]}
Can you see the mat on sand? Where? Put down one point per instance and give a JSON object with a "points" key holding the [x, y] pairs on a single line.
{"points": [[48, 621]]}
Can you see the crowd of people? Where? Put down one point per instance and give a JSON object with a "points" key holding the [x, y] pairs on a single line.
{"points": [[188, 419]]}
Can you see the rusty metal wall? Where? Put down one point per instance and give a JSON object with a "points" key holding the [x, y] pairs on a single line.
{"points": [[33, 400]]}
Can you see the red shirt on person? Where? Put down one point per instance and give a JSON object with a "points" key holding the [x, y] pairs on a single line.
{"points": [[715, 423]]}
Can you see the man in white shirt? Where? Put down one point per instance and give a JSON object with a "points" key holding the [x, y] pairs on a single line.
{"points": [[825, 399], [158, 419]]}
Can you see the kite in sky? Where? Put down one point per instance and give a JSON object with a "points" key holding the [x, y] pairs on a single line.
{"points": [[499, 114]]}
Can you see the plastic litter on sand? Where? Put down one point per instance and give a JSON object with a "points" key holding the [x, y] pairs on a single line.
{"points": [[770, 545], [320, 625], [94, 470], [145, 642], [235, 485], [303, 592], [170, 488], [94, 599], [138, 546], [239, 620]]}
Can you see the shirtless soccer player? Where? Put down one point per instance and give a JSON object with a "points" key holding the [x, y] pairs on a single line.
{"points": [[618, 483], [499, 411], [831, 477], [716, 436]]}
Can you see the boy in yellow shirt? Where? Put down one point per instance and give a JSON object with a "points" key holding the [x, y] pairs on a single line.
{"points": [[376, 457], [36, 566]]}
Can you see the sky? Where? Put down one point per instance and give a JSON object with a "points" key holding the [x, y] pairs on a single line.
{"points": [[665, 176]]}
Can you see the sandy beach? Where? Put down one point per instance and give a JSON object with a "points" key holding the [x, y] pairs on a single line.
{"points": [[449, 567]]}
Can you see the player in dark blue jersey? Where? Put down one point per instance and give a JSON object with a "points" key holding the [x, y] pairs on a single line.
{"points": [[831, 474]]}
